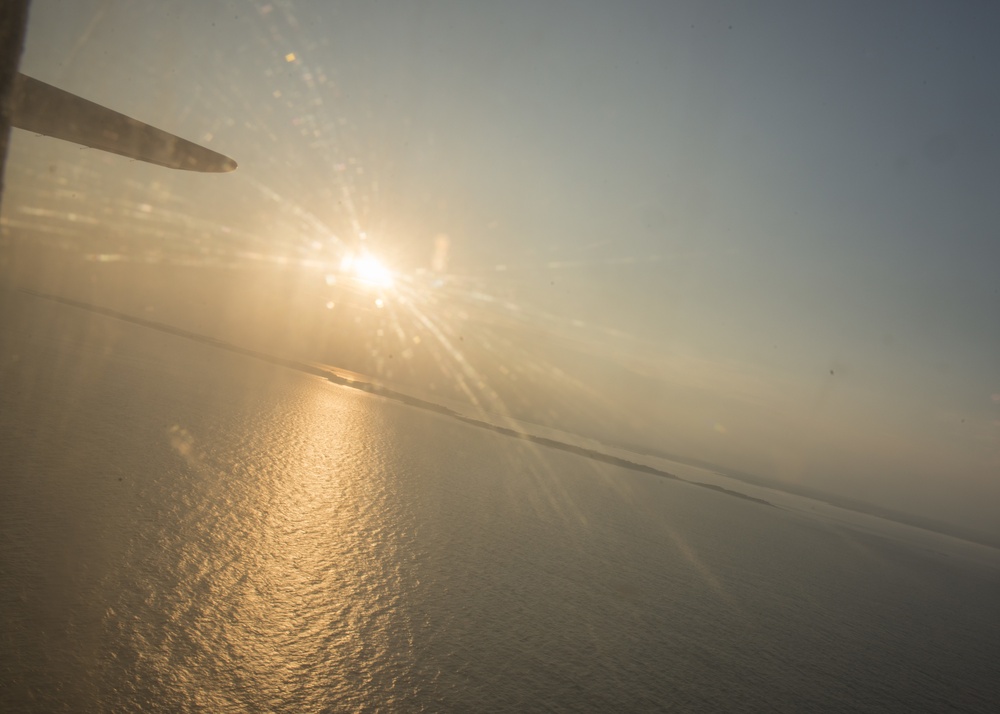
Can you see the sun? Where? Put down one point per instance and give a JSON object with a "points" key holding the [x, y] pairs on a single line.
{"points": [[368, 269]]}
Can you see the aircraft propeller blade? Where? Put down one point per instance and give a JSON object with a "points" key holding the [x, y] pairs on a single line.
{"points": [[44, 109]]}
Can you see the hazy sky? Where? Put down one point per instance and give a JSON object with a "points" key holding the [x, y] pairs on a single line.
{"points": [[778, 220]]}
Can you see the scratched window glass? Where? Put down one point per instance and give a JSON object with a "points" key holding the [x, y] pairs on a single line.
{"points": [[449, 356]]}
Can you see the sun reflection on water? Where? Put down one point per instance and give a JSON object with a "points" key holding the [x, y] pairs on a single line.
{"points": [[288, 562]]}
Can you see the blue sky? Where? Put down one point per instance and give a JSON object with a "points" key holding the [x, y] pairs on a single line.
{"points": [[779, 218]]}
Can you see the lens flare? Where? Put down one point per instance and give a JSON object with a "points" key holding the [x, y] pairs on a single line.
{"points": [[370, 270]]}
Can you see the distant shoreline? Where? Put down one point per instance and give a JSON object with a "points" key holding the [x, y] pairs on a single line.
{"points": [[373, 388], [847, 503]]}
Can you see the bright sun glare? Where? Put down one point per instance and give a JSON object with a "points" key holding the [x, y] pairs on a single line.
{"points": [[369, 269]]}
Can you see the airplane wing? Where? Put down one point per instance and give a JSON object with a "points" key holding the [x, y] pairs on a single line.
{"points": [[44, 109]]}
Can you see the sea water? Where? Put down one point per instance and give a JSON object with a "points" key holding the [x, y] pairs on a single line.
{"points": [[187, 529]]}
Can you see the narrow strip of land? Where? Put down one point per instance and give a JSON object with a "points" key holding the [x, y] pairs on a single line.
{"points": [[382, 391]]}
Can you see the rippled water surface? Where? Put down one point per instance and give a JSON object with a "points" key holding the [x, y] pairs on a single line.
{"points": [[188, 529]]}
